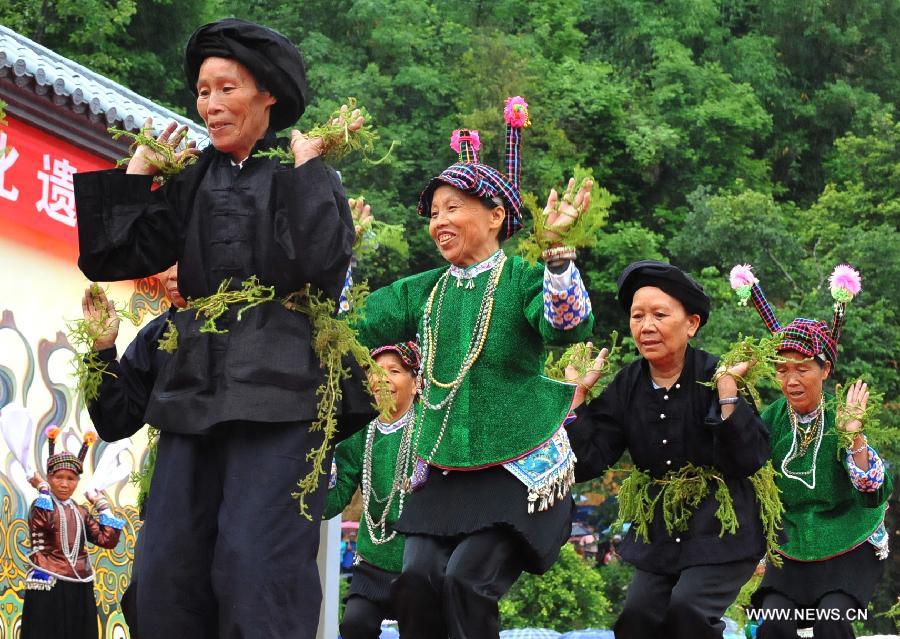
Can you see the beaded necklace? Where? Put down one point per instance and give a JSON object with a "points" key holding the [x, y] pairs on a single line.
{"points": [[430, 348], [799, 446], [378, 531], [70, 552]]}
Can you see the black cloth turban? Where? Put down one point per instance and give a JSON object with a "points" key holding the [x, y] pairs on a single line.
{"points": [[670, 279], [275, 63]]}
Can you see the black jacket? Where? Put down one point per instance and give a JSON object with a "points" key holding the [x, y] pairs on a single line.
{"points": [[663, 430], [288, 226]]}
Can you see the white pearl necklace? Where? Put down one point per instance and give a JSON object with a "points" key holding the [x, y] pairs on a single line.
{"points": [[70, 552], [378, 530], [799, 447]]}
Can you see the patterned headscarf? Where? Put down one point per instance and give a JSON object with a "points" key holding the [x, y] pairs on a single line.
{"points": [[408, 352], [813, 338], [66, 460], [481, 180]]}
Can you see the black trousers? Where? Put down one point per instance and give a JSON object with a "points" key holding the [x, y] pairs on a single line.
{"points": [[826, 628], [688, 605], [362, 618], [225, 554], [451, 586]]}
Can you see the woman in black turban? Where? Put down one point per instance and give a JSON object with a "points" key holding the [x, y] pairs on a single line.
{"points": [[657, 410], [225, 553]]}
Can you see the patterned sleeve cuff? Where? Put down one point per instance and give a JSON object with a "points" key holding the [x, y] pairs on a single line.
{"points": [[108, 519], [332, 478], [566, 301], [866, 481], [344, 300]]}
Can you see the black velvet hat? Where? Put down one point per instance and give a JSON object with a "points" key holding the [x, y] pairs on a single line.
{"points": [[275, 63], [670, 279]]}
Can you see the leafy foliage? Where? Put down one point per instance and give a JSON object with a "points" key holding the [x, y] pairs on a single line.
{"points": [[570, 595]]}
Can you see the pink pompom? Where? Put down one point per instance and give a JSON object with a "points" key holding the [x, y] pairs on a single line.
{"points": [[471, 136], [516, 112], [742, 275], [845, 276], [845, 282], [52, 431]]}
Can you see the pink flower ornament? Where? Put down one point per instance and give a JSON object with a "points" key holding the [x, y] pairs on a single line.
{"points": [[845, 283], [742, 281], [516, 112]]}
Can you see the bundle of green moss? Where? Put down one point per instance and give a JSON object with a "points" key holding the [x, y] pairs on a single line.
{"points": [[82, 333], [682, 491], [338, 139], [166, 160], [583, 233]]}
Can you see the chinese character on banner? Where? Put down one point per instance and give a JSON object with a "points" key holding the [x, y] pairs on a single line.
{"points": [[57, 192], [8, 157]]}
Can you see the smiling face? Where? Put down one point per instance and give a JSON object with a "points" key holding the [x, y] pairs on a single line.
{"points": [[168, 279], [462, 227], [63, 483], [235, 111], [401, 381], [801, 379], [661, 327]]}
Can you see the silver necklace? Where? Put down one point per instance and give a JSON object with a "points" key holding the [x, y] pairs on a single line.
{"points": [[430, 348], [800, 445], [378, 530], [70, 552]]}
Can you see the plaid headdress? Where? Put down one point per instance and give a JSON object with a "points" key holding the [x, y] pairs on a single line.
{"points": [[408, 352], [481, 180], [66, 460], [813, 338]]}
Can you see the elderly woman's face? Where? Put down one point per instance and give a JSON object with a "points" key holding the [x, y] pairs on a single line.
{"points": [[463, 229], [401, 381], [63, 483], [801, 380], [235, 111], [660, 326]]}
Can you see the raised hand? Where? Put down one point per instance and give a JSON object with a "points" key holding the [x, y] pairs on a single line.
{"points": [[585, 381], [100, 314], [305, 148], [147, 161], [855, 406], [362, 216], [562, 213]]}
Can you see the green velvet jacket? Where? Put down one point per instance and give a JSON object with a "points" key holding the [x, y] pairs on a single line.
{"points": [[505, 407], [832, 518], [348, 457]]}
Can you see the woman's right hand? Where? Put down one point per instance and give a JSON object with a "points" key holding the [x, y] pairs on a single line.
{"points": [[100, 313], [146, 161], [586, 382]]}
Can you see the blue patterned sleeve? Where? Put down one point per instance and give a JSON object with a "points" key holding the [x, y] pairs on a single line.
{"points": [[566, 300], [870, 480]]}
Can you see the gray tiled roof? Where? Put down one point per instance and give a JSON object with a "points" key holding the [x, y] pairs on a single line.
{"points": [[122, 107]]}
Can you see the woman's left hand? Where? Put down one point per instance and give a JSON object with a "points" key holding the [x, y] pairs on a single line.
{"points": [[305, 148], [590, 377], [561, 214], [727, 382], [362, 216], [855, 406]]}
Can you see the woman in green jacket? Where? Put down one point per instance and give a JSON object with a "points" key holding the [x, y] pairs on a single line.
{"points": [[833, 484], [377, 459]]}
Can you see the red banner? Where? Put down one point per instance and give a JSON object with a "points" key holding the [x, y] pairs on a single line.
{"points": [[36, 171]]}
